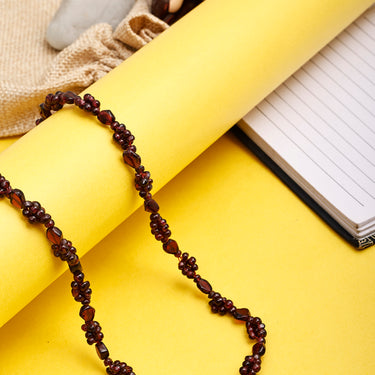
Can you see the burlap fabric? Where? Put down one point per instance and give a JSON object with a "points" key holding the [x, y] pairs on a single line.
{"points": [[30, 68]]}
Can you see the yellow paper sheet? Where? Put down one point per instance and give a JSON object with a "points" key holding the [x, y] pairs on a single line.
{"points": [[255, 241], [177, 95]]}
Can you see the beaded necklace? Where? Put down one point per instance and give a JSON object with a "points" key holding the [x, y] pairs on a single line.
{"points": [[64, 249]]}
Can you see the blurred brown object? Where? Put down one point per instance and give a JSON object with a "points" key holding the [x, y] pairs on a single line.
{"points": [[160, 9]]}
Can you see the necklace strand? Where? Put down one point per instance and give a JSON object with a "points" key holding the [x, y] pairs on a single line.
{"points": [[64, 249]]}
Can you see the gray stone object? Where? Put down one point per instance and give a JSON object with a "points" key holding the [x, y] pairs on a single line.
{"points": [[76, 16]]}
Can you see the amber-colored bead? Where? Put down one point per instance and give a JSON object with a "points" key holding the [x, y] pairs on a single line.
{"points": [[131, 158], [17, 198], [170, 247], [241, 314], [87, 313], [204, 286], [151, 206], [102, 350], [54, 234]]}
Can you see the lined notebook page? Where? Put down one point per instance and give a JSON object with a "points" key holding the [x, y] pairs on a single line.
{"points": [[319, 126]]}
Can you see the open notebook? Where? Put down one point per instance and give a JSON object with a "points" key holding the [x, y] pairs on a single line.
{"points": [[318, 127]]}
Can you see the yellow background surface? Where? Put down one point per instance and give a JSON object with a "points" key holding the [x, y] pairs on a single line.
{"points": [[254, 240], [256, 243], [177, 95]]}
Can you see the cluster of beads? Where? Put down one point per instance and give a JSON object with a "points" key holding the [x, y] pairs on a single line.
{"points": [[159, 227], [188, 266], [64, 249]]}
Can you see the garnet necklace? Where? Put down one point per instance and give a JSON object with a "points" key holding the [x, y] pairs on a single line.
{"points": [[64, 249]]}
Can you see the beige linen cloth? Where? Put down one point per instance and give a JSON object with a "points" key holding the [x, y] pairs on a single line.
{"points": [[30, 68]]}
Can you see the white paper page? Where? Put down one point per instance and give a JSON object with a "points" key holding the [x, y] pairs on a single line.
{"points": [[319, 125]]}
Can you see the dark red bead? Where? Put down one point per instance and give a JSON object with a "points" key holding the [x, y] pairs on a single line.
{"points": [[242, 314], [79, 277], [55, 99], [73, 260], [256, 368], [262, 333], [261, 340], [17, 198], [84, 286], [228, 304], [44, 111], [106, 117], [87, 313], [131, 158], [78, 101], [88, 98], [95, 103], [32, 218], [204, 286], [45, 218], [192, 261], [108, 362], [190, 274], [154, 217], [68, 97], [54, 234], [259, 349], [102, 350], [75, 292], [49, 223], [87, 107], [48, 99], [151, 206], [170, 247]]}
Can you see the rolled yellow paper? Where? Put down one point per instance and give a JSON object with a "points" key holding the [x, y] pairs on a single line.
{"points": [[177, 96]]}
